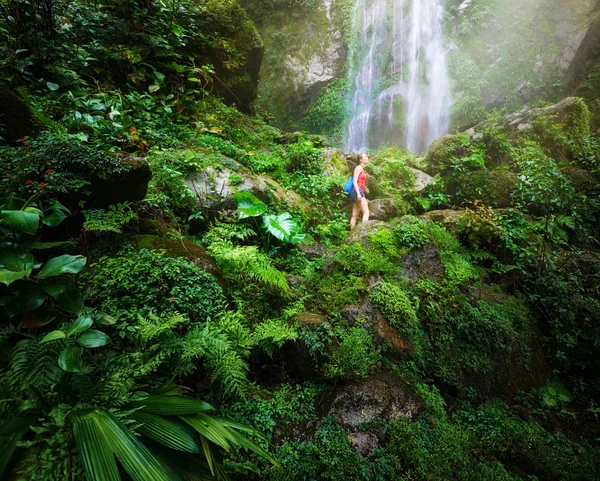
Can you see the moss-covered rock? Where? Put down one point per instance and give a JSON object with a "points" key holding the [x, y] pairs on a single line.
{"points": [[16, 118], [363, 230], [443, 150], [234, 48], [494, 187], [582, 180], [214, 190], [194, 253]]}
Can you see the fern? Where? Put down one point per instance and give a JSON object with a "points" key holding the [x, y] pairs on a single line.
{"points": [[273, 333], [113, 220], [246, 262], [34, 366], [225, 365]]}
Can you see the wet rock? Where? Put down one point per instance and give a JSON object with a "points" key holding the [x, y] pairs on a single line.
{"points": [[423, 263], [364, 442], [422, 180], [127, 185], [383, 396], [315, 250], [382, 209], [361, 232], [448, 218]]}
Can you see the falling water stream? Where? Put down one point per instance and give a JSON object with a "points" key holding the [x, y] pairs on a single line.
{"points": [[401, 93]]}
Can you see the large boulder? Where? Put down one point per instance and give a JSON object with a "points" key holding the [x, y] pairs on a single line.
{"points": [[363, 230], [214, 188], [383, 396], [196, 254], [493, 187], [16, 118]]}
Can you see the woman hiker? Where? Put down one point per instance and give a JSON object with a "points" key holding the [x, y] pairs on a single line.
{"points": [[358, 193]]}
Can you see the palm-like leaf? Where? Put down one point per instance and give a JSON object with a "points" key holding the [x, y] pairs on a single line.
{"points": [[11, 433], [170, 405], [168, 431], [101, 437]]}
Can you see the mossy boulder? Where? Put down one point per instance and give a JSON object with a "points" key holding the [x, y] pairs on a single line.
{"points": [[129, 184], [443, 150], [382, 396], [16, 118], [583, 181], [335, 162], [383, 209], [214, 188], [363, 231], [493, 187], [197, 255], [238, 59]]}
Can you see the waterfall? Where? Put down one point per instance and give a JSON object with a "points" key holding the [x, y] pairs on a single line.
{"points": [[400, 85]]}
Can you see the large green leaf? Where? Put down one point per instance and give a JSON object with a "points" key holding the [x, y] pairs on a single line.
{"points": [[20, 220], [26, 296], [212, 430], [95, 450], [70, 358], [54, 218], [15, 258], [249, 205], [82, 323], [282, 226], [15, 262], [65, 264], [46, 245], [170, 432], [11, 432], [53, 336], [69, 298], [170, 405], [92, 338], [105, 434], [8, 277]]}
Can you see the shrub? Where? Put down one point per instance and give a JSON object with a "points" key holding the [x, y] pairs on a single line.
{"points": [[146, 281], [396, 307]]}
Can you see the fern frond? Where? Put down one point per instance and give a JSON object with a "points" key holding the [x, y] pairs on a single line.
{"points": [[239, 262], [230, 372]]}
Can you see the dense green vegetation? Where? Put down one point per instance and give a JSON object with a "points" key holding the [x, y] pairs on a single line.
{"points": [[180, 297]]}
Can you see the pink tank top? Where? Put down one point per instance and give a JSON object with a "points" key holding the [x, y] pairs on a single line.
{"points": [[362, 180]]}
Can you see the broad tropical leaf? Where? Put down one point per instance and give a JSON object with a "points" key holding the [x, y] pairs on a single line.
{"points": [[70, 358], [171, 405], [53, 336], [100, 435], [20, 220], [79, 325], [92, 338], [170, 432], [249, 205], [15, 262], [64, 264], [283, 227], [11, 433], [26, 296], [69, 298]]}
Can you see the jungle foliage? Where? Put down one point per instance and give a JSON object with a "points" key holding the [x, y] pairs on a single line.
{"points": [[177, 338]]}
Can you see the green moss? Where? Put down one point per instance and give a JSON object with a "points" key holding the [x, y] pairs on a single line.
{"points": [[494, 188], [396, 307], [442, 152], [17, 119]]}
